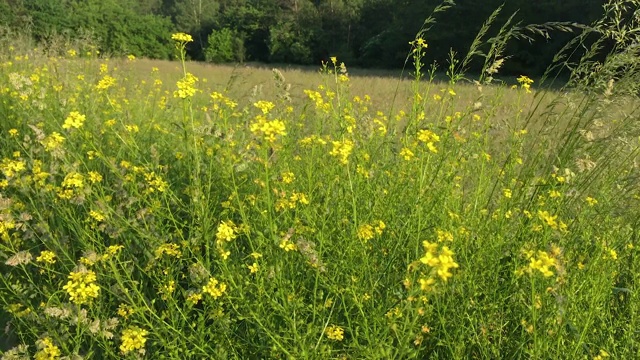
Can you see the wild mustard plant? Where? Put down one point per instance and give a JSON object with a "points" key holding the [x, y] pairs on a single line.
{"points": [[301, 224]]}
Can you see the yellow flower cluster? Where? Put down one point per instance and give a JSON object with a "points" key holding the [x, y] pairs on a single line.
{"points": [[441, 262], [46, 350], [74, 120], [94, 177], [543, 262], [96, 215], [39, 176], [264, 106], [266, 129], [5, 226], [194, 298], [227, 232], [316, 97], [334, 333], [287, 245], [182, 37], [186, 87], [105, 83], [72, 181], [133, 338], [310, 140], [525, 82], [429, 138], [220, 98], [406, 154], [342, 150], [111, 251], [52, 141], [292, 202], [288, 177], [591, 201], [125, 311], [367, 232], [601, 355], [169, 249], [551, 221], [82, 288], [155, 182], [444, 235], [167, 289], [46, 256], [10, 168], [507, 193], [214, 288]]}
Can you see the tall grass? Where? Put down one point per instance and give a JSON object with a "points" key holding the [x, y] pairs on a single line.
{"points": [[143, 216]]}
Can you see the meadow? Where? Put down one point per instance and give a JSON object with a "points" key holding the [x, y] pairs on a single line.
{"points": [[174, 210]]}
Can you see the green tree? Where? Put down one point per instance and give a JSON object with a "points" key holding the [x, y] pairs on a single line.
{"points": [[291, 37], [224, 45]]}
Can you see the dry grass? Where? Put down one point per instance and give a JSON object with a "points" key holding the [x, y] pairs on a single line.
{"points": [[385, 87]]}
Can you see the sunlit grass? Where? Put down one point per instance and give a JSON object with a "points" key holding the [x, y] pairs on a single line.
{"points": [[179, 210]]}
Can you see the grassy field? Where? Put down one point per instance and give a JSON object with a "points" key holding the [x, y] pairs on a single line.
{"points": [[174, 210]]}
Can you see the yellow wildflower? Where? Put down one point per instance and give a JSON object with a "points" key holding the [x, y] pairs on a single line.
{"points": [[525, 83], [182, 37], [548, 219], [169, 249], [426, 284], [11, 167], [288, 177], [46, 350], [52, 141], [287, 245], [226, 231], [554, 194], [125, 311], [73, 180], [47, 256], [335, 333], [253, 268], [97, 215], [269, 130], [74, 120], [543, 262], [365, 232], [342, 150], [379, 227], [186, 87], [105, 83], [264, 106], [194, 298], [133, 338], [507, 193], [406, 154], [214, 288], [81, 287], [94, 177]]}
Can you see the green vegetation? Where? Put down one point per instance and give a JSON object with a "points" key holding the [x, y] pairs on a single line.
{"points": [[185, 213], [363, 33]]}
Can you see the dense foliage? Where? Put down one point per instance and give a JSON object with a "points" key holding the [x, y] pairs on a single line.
{"points": [[370, 33]]}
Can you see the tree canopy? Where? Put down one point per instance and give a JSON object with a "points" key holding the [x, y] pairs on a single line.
{"points": [[366, 33]]}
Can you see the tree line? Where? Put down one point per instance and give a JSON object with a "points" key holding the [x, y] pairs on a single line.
{"points": [[364, 33]]}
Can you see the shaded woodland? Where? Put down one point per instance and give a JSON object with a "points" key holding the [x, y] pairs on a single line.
{"points": [[363, 33]]}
